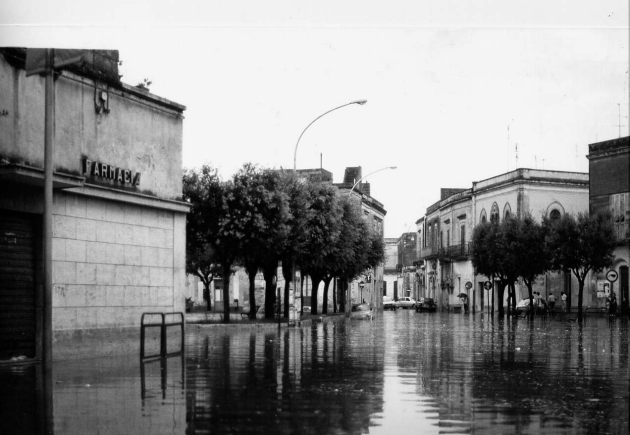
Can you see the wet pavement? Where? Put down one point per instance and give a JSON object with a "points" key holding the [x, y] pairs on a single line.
{"points": [[404, 372]]}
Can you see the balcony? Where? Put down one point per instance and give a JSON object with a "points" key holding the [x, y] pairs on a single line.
{"points": [[429, 252], [455, 252]]}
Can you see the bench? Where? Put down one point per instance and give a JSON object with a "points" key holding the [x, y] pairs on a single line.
{"points": [[245, 314]]}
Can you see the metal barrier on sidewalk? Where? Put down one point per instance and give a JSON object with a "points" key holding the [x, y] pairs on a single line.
{"points": [[163, 324]]}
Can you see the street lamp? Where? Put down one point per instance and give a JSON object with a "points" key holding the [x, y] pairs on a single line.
{"points": [[359, 102], [361, 285], [362, 178]]}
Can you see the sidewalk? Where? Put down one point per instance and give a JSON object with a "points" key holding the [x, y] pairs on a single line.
{"points": [[216, 318]]}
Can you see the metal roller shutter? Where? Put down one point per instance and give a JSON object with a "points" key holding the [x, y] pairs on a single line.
{"points": [[17, 285]]}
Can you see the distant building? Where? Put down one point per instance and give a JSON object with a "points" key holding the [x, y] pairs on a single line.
{"points": [[609, 170], [407, 265], [390, 272], [445, 233]]}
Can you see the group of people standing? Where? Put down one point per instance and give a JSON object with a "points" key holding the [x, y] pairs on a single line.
{"points": [[611, 302]]}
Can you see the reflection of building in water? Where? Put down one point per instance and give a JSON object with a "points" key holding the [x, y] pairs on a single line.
{"points": [[518, 377], [291, 381]]}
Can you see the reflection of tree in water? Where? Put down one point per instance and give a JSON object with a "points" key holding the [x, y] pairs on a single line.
{"points": [[323, 380], [523, 375]]}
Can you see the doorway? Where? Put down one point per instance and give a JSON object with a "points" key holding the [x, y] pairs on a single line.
{"points": [[20, 256]]}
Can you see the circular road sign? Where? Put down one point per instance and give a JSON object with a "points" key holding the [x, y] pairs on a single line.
{"points": [[611, 276], [468, 285], [487, 285]]}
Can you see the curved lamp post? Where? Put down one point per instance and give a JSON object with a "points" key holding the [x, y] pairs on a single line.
{"points": [[359, 102], [362, 178]]}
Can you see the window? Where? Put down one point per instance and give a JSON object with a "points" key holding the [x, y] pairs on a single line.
{"points": [[507, 211], [494, 213], [483, 219], [555, 214]]}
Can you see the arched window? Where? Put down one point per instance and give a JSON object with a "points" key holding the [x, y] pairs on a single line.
{"points": [[494, 213], [507, 211], [483, 218], [555, 210]]}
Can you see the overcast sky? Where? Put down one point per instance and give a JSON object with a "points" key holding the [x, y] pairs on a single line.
{"points": [[453, 87]]}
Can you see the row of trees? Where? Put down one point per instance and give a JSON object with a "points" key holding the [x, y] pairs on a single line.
{"points": [[262, 217], [522, 247]]}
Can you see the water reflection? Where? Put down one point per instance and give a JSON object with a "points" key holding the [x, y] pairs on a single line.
{"points": [[324, 380], [403, 372]]}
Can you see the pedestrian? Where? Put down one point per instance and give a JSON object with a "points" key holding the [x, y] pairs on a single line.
{"points": [[563, 297], [612, 311], [552, 301]]}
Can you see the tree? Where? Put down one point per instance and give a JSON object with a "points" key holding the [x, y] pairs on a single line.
{"points": [[296, 238], [349, 255], [532, 254], [494, 255], [201, 189], [322, 228], [216, 232], [262, 209], [581, 244]]}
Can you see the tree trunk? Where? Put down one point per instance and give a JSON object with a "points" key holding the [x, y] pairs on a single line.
{"points": [[226, 296], [334, 295], [287, 273], [206, 295], [580, 295], [251, 274], [269, 273], [500, 293], [326, 287], [315, 279], [531, 299], [342, 295]]}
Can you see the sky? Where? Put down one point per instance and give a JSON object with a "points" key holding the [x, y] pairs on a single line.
{"points": [[457, 91]]}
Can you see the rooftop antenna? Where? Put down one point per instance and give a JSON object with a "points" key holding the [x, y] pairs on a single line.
{"points": [[516, 154]]}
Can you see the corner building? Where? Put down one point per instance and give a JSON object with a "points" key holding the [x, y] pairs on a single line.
{"points": [[118, 219], [445, 233]]}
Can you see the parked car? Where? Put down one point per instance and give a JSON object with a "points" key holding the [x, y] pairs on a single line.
{"points": [[361, 312], [406, 303], [523, 306], [426, 304], [388, 303]]}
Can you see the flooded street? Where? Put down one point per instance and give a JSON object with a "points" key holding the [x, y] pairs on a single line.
{"points": [[404, 372]]}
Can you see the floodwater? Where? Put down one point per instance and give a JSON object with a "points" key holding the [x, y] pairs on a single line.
{"points": [[403, 372]]}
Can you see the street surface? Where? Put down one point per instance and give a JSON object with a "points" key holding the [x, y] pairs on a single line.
{"points": [[404, 372]]}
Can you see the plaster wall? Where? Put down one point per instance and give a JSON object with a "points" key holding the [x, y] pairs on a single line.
{"points": [[137, 134]]}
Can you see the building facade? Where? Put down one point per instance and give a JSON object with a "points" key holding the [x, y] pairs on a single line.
{"points": [[445, 233], [390, 272], [609, 170], [118, 237]]}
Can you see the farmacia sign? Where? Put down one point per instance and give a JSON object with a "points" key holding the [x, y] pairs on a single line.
{"points": [[95, 169]]}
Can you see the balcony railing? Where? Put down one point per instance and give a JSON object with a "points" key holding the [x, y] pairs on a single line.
{"points": [[429, 252], [455, 252]]}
